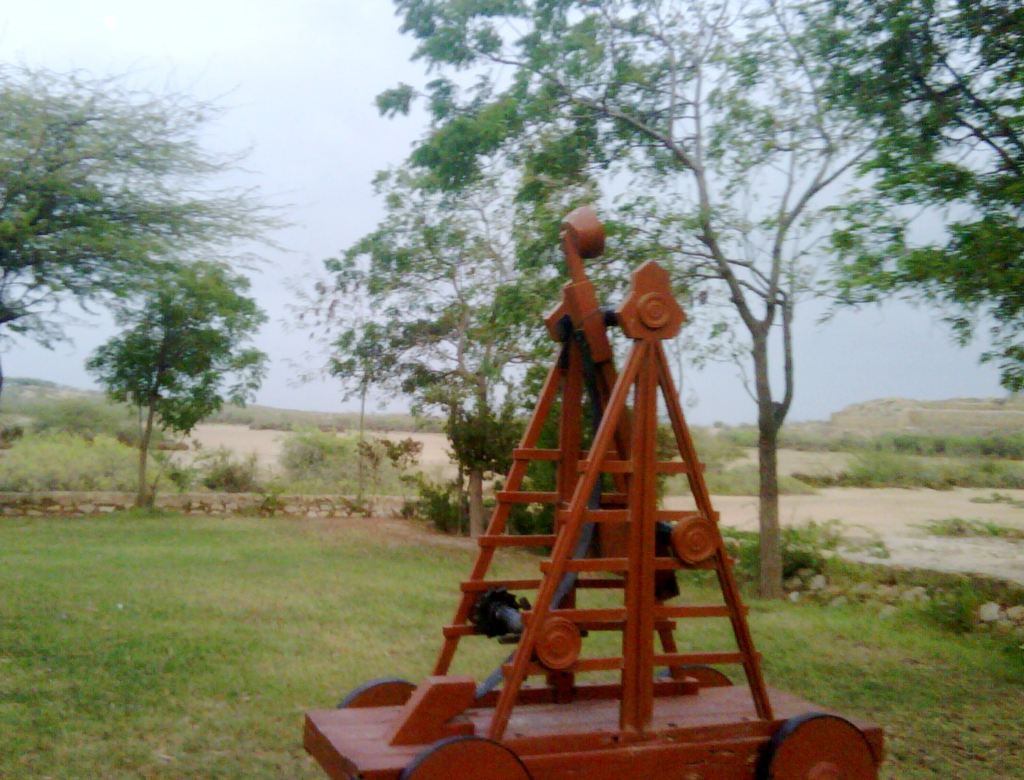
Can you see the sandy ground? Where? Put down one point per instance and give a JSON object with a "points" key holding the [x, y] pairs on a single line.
{"points": [[895, 516], [892, 514]]}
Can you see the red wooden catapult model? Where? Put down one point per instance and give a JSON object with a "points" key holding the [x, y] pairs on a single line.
{"points": [[685, 722]]}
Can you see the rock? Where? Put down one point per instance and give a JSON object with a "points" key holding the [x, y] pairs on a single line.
{"points": [[917, 593], [989, 612], [1004, 626], [886, 592], [861, 589], [805, 574], [794, 596], [838, 601], [793, 583], [1016, 614], [887, 611], [818, 582]]}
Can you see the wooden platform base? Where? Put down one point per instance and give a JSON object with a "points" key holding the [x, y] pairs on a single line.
{"points": [[714, 735]]}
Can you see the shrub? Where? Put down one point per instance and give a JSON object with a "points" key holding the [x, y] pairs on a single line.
{"points": [[890, 469], [439, 504], [87, 418], [63, 461], [221, 472], [746, 481], [316, 462], [958, 526], [807, 546]]}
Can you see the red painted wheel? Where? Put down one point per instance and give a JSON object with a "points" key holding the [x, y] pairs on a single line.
{"points": [[816, 746], [706, 676], [474, 757], [385, 692]]}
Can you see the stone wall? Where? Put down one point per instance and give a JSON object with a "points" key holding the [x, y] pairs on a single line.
{"points": [[84, 504]]}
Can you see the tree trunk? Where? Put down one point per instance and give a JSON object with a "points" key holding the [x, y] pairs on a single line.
{"points": [[144, 496], [768, 423], [1, 380], [359, 460], [476, 503]]}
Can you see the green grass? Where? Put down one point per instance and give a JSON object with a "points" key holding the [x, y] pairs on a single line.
{"points": [[169, 647], [959, 526]]}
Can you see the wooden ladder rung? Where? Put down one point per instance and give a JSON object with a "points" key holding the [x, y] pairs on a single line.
{"points": [[612, 663], [695, 611], [589, 564], [597, 515], [454, 631], [685, 659], [534, 453], [674, 467], [525, 497], [480, 586], [512, 540], [610, 466]]}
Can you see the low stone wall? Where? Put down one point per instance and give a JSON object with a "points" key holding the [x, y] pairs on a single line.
{"points": [[86, 504]]}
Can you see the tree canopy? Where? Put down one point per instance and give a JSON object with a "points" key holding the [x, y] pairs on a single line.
{"points": [[102, 184], [942, 81], [183, 351], [711, 119]]}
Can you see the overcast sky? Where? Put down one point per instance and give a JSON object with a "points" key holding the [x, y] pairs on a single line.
{"points": [[299, 78]]}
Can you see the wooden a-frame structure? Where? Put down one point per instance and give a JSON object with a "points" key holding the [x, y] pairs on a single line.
{"points": [[624, 521]]}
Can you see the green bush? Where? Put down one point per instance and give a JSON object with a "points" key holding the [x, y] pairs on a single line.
{"points": [[807, 546], [316, 462], [64, 461], [87, 418], [221, 472], [890, 469], [746, 481], [439, 504]]}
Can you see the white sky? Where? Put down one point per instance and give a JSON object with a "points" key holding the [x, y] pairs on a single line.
{"points": [[299, 78]]}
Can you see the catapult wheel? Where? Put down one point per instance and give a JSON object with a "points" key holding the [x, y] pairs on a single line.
{"points": [[474, 757], [384, 692], [816, 746], [706, 676]]}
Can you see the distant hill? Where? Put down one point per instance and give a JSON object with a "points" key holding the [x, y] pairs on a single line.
{"points": [[21, 396], [955, 415]]}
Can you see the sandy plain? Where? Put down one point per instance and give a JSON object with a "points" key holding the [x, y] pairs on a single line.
{"points": [[893, 515]]}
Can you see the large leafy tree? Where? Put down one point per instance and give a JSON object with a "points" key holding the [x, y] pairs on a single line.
{"points": [[184, 351], [943, 83], [99, 184], [710, 117], [431, 306]]}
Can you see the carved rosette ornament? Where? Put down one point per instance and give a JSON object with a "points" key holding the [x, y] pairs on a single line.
{"points": [[559, 644], [694, 540]]}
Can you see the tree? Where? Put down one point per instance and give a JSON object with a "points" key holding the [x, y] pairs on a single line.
{"points": [[943, 83], [714, 110], [99, 185], [183, 352], [450, 321]]}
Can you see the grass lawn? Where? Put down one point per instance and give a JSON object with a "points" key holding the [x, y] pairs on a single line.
{"points": [[171, 647]]}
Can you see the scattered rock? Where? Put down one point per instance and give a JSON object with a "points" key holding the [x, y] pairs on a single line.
{"points": [[805, 573], [1004, 626], [793, 583], [838, 601], [989, 612], [861, 589], [794, 596], [886, 592], [818, 582], [1016, 614], [888, 611], [917, 593]]}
